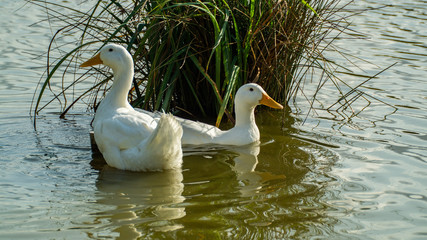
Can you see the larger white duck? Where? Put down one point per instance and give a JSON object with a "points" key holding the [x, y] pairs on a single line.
{"points": [[245, 130], [127, 139]]}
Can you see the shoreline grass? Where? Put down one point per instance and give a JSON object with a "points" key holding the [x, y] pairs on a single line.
{"points": [[191, 57]]}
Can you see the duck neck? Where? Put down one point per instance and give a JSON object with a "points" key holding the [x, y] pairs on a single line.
{"points": [[117, 97], [245, 116]]}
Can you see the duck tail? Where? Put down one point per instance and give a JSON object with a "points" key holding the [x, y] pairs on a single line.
{"points": [[166, 141]]}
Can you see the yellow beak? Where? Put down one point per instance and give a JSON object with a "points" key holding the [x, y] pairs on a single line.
{"points": [[268, 101], [93, 61]]}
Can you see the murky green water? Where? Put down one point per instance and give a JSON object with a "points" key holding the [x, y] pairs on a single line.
{"points": [[332, 177]]}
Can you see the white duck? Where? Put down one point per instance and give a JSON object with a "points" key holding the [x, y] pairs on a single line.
{"points": [[127, 139], [245, 130]]}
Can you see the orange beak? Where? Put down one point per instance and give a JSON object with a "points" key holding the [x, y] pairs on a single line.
{"points": [[93, 61], [268, 101]]}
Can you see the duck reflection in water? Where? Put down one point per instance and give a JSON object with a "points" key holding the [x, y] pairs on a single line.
{"points": [[140, 200], [150, 201], [245, 161]]}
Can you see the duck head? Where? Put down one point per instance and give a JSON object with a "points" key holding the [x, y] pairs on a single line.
{"points": [[112, 55], [252, 94]]}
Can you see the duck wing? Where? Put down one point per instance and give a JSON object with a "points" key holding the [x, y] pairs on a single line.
{"points": [[194, 132], [160, 150], [129, 141], [115, 134], [122, 130]]}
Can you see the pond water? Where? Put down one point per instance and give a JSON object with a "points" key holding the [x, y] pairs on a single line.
{"points": [[332, 177]]}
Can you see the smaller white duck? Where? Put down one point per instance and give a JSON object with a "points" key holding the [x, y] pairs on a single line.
{"points": [[245, 130], [127, 139]]}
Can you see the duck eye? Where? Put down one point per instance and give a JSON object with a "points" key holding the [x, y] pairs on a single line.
{"points": [[251, 89], [110, 50]]}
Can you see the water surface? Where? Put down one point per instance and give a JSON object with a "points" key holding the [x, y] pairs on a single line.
{"points": [[331, 177]]}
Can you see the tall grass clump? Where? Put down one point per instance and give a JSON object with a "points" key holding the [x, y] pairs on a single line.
{"points": [[190, 56]]}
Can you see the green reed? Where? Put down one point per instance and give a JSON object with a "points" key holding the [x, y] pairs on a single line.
{"points": [[192, 56]]}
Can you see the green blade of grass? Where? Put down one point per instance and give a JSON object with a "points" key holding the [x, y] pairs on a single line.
{"points": [[210, 81], [167, 79], [310, 7], [196, 98], [169, 91], [230, 89]]}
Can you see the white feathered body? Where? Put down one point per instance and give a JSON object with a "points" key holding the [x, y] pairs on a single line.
{"points": [[133, 141], [128, 139]]}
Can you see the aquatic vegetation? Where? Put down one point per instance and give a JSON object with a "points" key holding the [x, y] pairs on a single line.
{"points": [[191, 57]]}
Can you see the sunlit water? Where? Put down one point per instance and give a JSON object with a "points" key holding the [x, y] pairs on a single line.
{"points": [[331, 177]]}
